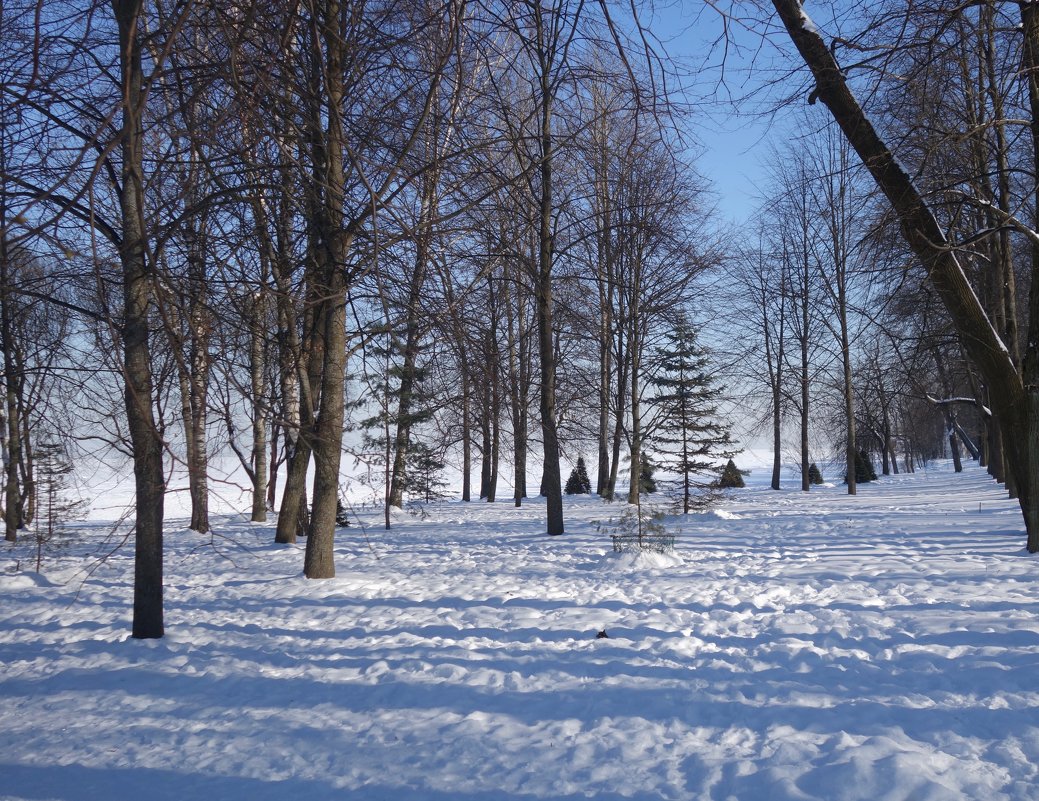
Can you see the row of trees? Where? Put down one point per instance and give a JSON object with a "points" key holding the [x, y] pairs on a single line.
{"points": [[462, 229], [952, 114], [260, 224]]}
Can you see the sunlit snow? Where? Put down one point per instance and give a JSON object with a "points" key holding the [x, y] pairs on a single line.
{"points": [[884, 646]]}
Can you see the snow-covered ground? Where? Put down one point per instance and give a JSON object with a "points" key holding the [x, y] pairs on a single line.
{"points": [[795, 647]]}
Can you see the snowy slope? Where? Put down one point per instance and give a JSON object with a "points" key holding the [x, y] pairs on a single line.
{"points": [[823, 647]]}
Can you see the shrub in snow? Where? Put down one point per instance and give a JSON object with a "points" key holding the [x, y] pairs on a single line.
{"points": [[732, 476], [864, 471], [647, 484], [867, 465], [639, 528], [815, 476], [579, 483]]}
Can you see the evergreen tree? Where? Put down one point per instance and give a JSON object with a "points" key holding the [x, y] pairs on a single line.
{"points": [[687, 433], [732, 476], [384, 438], [647, 482], [579, 483], [56, 502], [815, 475], [864, 471], [423, 476], [342, 514]]}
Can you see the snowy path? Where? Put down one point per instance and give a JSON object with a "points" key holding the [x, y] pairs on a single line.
{"points": [[821, 647]]}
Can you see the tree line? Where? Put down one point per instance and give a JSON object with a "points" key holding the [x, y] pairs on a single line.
{"points": [[471, 228]]}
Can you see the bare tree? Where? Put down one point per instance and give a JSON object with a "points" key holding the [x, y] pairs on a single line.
{"points": [[1013, 393]]}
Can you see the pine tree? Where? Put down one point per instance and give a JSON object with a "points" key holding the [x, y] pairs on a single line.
{"points": [[383, 435], [815, 475], [647, 482], [579, 483], [732, 476], [864, 471], [56, 503], [687, 433], [423, 476], [342, 514]]}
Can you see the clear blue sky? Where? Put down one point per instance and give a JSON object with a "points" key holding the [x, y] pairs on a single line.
{"points": [[734, 134]]}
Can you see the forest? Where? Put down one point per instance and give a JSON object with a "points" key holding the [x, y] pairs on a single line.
{"points": [[396, 236]]}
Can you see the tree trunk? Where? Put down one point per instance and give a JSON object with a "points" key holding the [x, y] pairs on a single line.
{"points": [[330, 319], [885, 425], [137, 296], [551, 479], [514, 332], [954, 445], [467, 435], [485, 440], [257, 387], [492, 487], [328, 441], [272, 469], [634, 348], [197, 405], [618, 424], [409, 366], [805, 483], [302, 360], [12, 381], [29, 493]]}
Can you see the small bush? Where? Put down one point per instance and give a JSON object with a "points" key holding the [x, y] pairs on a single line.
{"points": [[639, 528], [864, 471]]}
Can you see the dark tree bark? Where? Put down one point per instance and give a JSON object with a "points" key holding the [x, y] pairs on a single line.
{"points": [[137, 298], [257, 387], [12, 387], [517, 345], [551, 481], [333, 244], [412, 332]]}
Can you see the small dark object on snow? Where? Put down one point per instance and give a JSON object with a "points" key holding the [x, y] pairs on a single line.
{"points": [[602, 635]]}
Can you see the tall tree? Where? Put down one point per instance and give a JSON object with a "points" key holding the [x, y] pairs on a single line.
{"points": [[137, 275], [688, 434]]}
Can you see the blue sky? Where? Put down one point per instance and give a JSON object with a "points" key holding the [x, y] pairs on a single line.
{"points": [[733, 133]]}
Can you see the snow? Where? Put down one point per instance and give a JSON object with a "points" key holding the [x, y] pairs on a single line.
{"points": [[818, 646]]}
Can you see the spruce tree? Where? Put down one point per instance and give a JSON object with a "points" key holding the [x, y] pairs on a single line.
{"points": [[732, 476], [579, 483], [423, 476], [647, 482], [389, 438], [815, 475], [342, 514], [864, 471], [688, 436], [57, 500]]}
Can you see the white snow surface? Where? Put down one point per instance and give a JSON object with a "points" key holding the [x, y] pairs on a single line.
{"points": [[795, 646]]}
